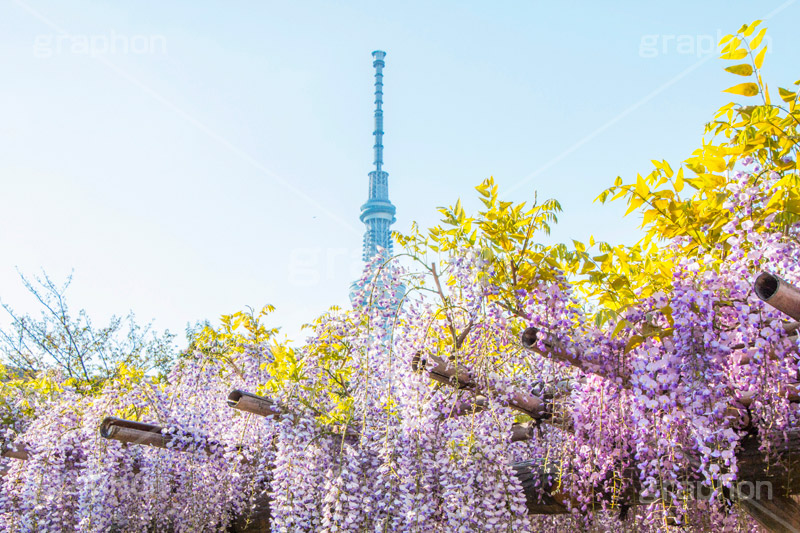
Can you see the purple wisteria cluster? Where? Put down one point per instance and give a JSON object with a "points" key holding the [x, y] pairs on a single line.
{"points": [[632, 425], [215, 464]]}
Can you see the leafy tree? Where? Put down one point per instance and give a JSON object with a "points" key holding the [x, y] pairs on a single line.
{"points": [[59, 339]]}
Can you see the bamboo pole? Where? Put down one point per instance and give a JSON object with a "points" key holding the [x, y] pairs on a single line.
{"points": [[130, 432], [738, 415], [530, 341], [444, 371], [458, 376], [263, 406], [467, 406], [778, 293], [742, 355], [252, 403], [552, 349]]}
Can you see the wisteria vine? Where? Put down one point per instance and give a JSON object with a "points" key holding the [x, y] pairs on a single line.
{"points": [[643, 428]]}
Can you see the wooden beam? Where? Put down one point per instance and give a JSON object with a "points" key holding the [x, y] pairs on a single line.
{"points": [[257, 520], [252, 403], [263, 406], [458, 376], [131, 432], [779, 514], [16, 451]]}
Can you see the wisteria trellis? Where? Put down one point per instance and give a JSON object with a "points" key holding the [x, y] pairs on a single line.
{"points": [[656, 418]]}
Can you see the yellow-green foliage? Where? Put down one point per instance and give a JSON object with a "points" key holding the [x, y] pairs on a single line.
{"points": [[686, 203], [324, 372], [235, 333], [505, 234], [765, 131], [331, 353], [238, 329], [328, 394], [19, 394]]}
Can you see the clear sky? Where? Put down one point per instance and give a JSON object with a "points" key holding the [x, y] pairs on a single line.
{"points": [[188, 159]]}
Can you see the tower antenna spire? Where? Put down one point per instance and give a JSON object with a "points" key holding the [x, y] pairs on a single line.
{"points": [[378, 213], [378, 63]]}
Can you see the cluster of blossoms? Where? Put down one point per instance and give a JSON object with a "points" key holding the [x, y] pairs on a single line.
{"points": [[75, 479], [644, 416]]}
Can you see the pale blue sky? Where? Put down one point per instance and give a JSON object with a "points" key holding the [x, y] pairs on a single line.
{"points": [[221, 160]]}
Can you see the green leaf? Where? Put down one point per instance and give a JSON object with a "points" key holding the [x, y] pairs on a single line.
{"points": [[749, 29], [745, 89], [732, 50], [724, 109], [621, 324], [757, 39], [742, 69], [633, 342], [641, 187], [786, 95], [759, 60], [733, 55], [731, 46]]}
